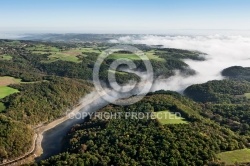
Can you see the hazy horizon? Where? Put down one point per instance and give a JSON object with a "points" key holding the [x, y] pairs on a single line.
{"points": [[126, 17], [19, 35]]}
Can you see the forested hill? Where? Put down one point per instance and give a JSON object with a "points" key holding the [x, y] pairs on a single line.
{"points": [[237, 73], [227, 91], [194, 140], [226, 101], [35, 104]]}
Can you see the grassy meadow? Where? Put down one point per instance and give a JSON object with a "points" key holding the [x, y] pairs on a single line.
{"points": [[167, 117], [5, 57], [247, 95], [6, 91], [231, 157]]}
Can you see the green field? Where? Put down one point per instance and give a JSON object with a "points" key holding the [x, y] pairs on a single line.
{"points": [[5, 57], [247, 95], [2, 107], [231, 157], [149, 54], [6, 91], [166, 117]]}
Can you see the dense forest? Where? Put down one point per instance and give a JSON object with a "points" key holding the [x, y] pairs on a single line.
{"points": [[146, 141], [36, 103], [225, 102], [224, 91], [41, 99]]}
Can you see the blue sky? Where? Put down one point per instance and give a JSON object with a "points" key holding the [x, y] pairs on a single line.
{"points": [[122, 16]]}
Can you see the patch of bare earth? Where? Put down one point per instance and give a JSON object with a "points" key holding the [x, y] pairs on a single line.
{"points": [[4, 81]]}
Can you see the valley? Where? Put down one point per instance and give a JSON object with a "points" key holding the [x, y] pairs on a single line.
{"points": [[43, 81]]}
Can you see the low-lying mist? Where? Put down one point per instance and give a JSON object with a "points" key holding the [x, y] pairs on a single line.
{"points": [[221, 52]]}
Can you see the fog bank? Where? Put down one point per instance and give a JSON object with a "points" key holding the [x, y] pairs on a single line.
{"points": [[222, 52]]}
